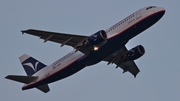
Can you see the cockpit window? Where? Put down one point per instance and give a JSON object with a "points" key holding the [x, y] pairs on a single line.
{"points": [[150, 7]]}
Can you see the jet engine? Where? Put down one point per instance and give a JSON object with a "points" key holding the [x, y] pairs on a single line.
{"points": [[133, 54], [96, 39]]}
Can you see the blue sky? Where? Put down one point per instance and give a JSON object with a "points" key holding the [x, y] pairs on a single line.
{"points": [[158, 80]]}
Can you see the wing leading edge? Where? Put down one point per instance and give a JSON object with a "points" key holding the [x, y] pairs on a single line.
{"points": [[129, 66], [62, 38]]}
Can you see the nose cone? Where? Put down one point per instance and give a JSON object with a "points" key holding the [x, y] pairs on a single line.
{"points": [[159, 12]]}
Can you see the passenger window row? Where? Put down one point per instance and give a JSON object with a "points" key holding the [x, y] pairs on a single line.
{"points": [[60, 60], [121, 22]]}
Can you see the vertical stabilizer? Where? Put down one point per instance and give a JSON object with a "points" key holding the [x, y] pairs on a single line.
{"points": [[30, 64]]}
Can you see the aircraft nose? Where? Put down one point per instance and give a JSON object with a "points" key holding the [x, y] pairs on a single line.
{"points": [[162, 10]]}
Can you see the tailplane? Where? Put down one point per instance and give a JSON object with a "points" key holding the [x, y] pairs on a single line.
{"points": [[44, 88], [30, 64], [22, 79], [28, 79]]}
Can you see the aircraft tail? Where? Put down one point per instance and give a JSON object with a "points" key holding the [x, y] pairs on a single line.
{"points": [[30, 64]]}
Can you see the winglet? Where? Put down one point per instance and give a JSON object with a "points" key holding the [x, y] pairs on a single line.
{"points": [[23, 31]]}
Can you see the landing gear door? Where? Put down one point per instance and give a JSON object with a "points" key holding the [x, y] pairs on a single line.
{"points": [[138, 14]]}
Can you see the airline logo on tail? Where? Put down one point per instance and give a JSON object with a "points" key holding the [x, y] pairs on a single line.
{"points": [[34, 67], [30, 64]]}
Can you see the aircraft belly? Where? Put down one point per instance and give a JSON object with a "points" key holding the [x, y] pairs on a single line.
{"points": [[65, 72]]}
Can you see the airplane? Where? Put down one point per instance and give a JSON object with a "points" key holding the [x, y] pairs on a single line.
{"points": [[105, 45]]}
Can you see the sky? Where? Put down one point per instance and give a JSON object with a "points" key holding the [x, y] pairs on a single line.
{"points": [[158, 80]]}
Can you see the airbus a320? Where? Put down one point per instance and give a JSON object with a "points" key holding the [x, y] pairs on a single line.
{"points": [[105, 45]]}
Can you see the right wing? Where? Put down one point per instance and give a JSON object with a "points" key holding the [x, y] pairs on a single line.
{"points": [[129, 66], [62, 38]]}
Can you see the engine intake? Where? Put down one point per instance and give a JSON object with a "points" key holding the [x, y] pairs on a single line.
{"points": [[133, 54], [97, 38]]}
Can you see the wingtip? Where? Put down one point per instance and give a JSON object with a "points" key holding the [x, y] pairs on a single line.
{"points": [[135, 75], [6, 77], [23, 31]]}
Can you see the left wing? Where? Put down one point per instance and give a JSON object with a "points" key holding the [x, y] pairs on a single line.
{"points": [[62, 38], [126, 66]]}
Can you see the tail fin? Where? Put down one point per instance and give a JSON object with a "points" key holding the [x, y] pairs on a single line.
{"points": [[30, 64]]}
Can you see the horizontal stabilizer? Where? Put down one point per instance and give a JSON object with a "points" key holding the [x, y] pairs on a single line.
{"points": [[22, 79], [44, 88]]}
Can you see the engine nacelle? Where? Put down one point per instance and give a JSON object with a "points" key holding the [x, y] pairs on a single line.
{"points": [[97, 38], [133, 54]]}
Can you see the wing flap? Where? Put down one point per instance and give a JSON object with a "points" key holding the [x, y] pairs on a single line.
{"points": [[129, 66]]}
